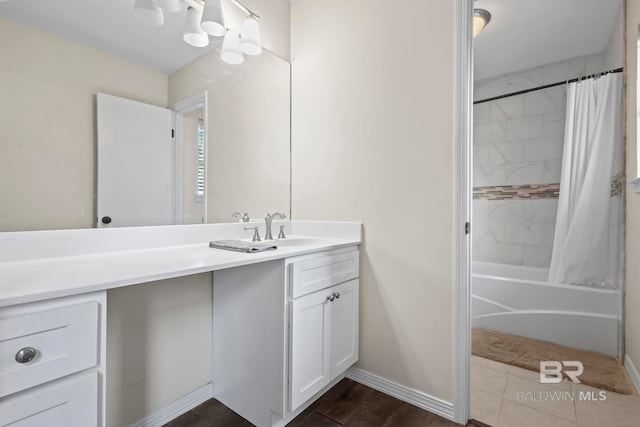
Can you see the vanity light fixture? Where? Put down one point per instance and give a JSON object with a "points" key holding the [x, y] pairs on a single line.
{"points": [[481, 18], [206, 18]]}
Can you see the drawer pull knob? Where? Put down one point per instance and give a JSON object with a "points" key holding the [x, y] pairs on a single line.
{"points": [[26, 354], [331, 297], [336, 294]]}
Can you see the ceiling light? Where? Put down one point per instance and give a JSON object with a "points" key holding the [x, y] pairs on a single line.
{"points": [[231, 53], [148, 13], [205, 18], [213, 18], [481, 18], [193, 34], [250, 40]]}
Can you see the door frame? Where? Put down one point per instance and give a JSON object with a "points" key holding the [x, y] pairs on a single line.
{"points": [[180, 108], [463, 125]]}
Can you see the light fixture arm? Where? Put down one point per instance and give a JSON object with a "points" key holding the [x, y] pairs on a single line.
{"points": [[245, 9], [198, 4]]}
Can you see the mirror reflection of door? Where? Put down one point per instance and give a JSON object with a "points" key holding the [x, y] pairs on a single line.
{"points": [[193, 164], [134, 163], [151, 162]]}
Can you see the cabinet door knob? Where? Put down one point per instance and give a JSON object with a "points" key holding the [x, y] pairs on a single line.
{"points": [[336, 294], [331, 297], [26, 354]]}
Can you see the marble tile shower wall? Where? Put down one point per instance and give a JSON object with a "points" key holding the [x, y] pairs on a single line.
{"points": [[538, 76], [519, 140]]}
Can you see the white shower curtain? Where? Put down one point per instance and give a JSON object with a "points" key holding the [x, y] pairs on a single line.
{"points": [[586, 223]]}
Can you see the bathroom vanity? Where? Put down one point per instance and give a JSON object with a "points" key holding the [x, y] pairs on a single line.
{"points": [[285, 322]]}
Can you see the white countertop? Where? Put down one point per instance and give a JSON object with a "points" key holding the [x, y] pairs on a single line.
{"points": [[44, 277]]}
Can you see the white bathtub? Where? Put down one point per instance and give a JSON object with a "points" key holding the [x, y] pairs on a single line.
{"points": [[518, 300]]}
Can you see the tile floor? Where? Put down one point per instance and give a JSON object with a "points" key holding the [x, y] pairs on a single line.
{"points": [[507, 396], [348, 403]]}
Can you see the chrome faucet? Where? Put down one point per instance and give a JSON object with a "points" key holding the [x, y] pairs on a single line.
{"points": [[267, 220], [244, 217]]}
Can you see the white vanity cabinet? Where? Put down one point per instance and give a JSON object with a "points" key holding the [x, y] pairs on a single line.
{"points": [[282, 331], [324, 311], [51, 358]]}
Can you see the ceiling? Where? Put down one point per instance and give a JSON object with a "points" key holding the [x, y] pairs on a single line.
{"points": [[522, 33], [109, 25], [527, 33]]}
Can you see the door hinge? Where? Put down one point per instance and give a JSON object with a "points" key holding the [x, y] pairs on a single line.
{"points": [[173, 133], [467, 227]]}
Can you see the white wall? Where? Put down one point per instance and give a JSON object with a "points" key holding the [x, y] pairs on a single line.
{"points": [[613, 54], [632, 277], [248, 132], [158, 345], [372, 141], [48, 85]]}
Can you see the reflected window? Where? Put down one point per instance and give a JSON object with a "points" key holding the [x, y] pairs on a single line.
{"points": [[200, 180]]}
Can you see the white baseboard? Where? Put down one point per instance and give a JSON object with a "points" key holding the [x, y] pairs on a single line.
{"points": [[177, 408], [633, 372], [404, 393]]}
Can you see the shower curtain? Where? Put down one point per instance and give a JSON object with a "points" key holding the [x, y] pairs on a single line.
{"points": [[587, 234]]}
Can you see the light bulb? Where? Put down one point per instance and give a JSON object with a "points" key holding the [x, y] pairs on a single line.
{"points": [[213, 18], [250, 41], [231, 53], [193, 34]]}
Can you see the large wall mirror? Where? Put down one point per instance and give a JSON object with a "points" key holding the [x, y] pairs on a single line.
{"points": [[57, 56]]}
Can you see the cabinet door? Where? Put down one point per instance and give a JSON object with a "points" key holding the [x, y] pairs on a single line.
{"points": [[64, 403], [344, 326], [310, 357]]}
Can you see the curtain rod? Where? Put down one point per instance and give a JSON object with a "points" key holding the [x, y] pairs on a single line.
{"points": [[521, 92]]}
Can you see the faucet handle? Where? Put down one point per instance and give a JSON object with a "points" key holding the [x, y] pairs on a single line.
{"points": [[256, 233], [244, 217], [281, 233]]}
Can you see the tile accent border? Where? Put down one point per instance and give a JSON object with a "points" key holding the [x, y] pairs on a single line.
{"points": [[417, 398], [533, 191], [511, 192], [616, 185]]}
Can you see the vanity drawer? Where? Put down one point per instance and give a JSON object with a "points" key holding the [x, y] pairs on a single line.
{"points": [[311, 273], [71, 402], [64, 340]]}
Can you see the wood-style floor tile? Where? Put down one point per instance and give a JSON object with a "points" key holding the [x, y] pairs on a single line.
{"points": [[375, 411], [342, 401], [410, 416], [302, 416], [318, 420], [211, 413], [348, 404]]}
